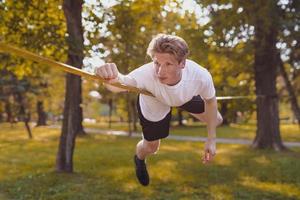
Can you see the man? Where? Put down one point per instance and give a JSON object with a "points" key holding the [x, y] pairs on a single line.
{"points": [[175, 81]]}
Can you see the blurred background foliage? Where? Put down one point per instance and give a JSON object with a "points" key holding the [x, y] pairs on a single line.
{"points": [[220, 36]]}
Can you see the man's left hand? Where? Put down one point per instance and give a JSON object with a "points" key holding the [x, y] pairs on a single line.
{"points": [[209, 150]]}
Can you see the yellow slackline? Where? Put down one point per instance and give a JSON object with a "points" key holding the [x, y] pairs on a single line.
{"points": [[67, 68], [236, 97]]}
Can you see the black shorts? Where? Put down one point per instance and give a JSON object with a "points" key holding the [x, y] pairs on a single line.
{"points": [[160, 129]]}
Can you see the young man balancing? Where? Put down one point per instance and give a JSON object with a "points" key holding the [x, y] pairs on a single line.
{"points": [[175, 81]]}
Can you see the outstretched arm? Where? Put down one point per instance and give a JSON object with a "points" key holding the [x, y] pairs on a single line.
{"points": [[212, 123], [212, 114]]}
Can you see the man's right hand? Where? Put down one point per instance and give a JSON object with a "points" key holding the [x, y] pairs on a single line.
{"points": [[108, 71]]}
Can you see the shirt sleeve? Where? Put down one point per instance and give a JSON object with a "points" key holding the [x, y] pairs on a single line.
{"points": [[141, 75], [207, 88]]}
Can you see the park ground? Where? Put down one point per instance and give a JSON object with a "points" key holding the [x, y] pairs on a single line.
{"points": [[103, 167]]}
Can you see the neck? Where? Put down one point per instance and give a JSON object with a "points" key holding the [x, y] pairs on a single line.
{"points": [[179, 76]]}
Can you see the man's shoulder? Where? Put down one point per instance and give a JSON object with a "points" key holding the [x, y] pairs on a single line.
{"points": [[145, 67], [143, 74], [195, 68]]}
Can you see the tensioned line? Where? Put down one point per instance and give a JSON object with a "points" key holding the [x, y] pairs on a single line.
{"points": [[73, 70]]}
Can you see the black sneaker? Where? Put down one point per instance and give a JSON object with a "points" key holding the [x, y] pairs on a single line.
{"points": [[141, 171]]}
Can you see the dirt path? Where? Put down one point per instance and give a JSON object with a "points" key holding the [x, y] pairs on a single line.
{"points": [[181, 138]]}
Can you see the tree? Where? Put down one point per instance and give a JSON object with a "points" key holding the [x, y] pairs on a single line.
{"points": [[266, 66], [72, 120], [14, 93], [288, 85], [42, 115], [289, 55], [39, 28], [256, 24], [24, 114]]}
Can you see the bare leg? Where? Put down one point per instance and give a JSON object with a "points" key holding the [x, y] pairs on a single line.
{"points": [[145, 148]]}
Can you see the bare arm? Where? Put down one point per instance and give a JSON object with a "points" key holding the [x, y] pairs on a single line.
{"points": [[211, 110], [211, 120]]}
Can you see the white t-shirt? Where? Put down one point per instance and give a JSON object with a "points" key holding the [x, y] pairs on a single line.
{"points": [[195, 80]]}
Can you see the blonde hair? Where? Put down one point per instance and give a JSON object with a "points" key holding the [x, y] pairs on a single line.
{"points": [[163, 43]]}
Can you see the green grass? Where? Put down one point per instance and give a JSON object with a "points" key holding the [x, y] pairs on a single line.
{"points": [[104, 170], [289, 132]]}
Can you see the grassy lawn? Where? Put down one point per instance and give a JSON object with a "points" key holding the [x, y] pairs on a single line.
{"points": [[289, 132], [104, 170]]}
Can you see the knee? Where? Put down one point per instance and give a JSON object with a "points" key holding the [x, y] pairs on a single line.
{"points": [[151, 147]]}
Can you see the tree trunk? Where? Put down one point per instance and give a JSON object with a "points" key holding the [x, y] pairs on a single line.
{"points": [[26, 122], [9, 117], [129, 114], [223, 111], [180, 117], [265, 67], [1, 117], [110, 105], [72, 116], [289, 87], [25, 116], [80, 131], [42, 116], [134, 113]]}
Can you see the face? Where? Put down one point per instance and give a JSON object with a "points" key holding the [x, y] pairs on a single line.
{"points": [[167, 68]]}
